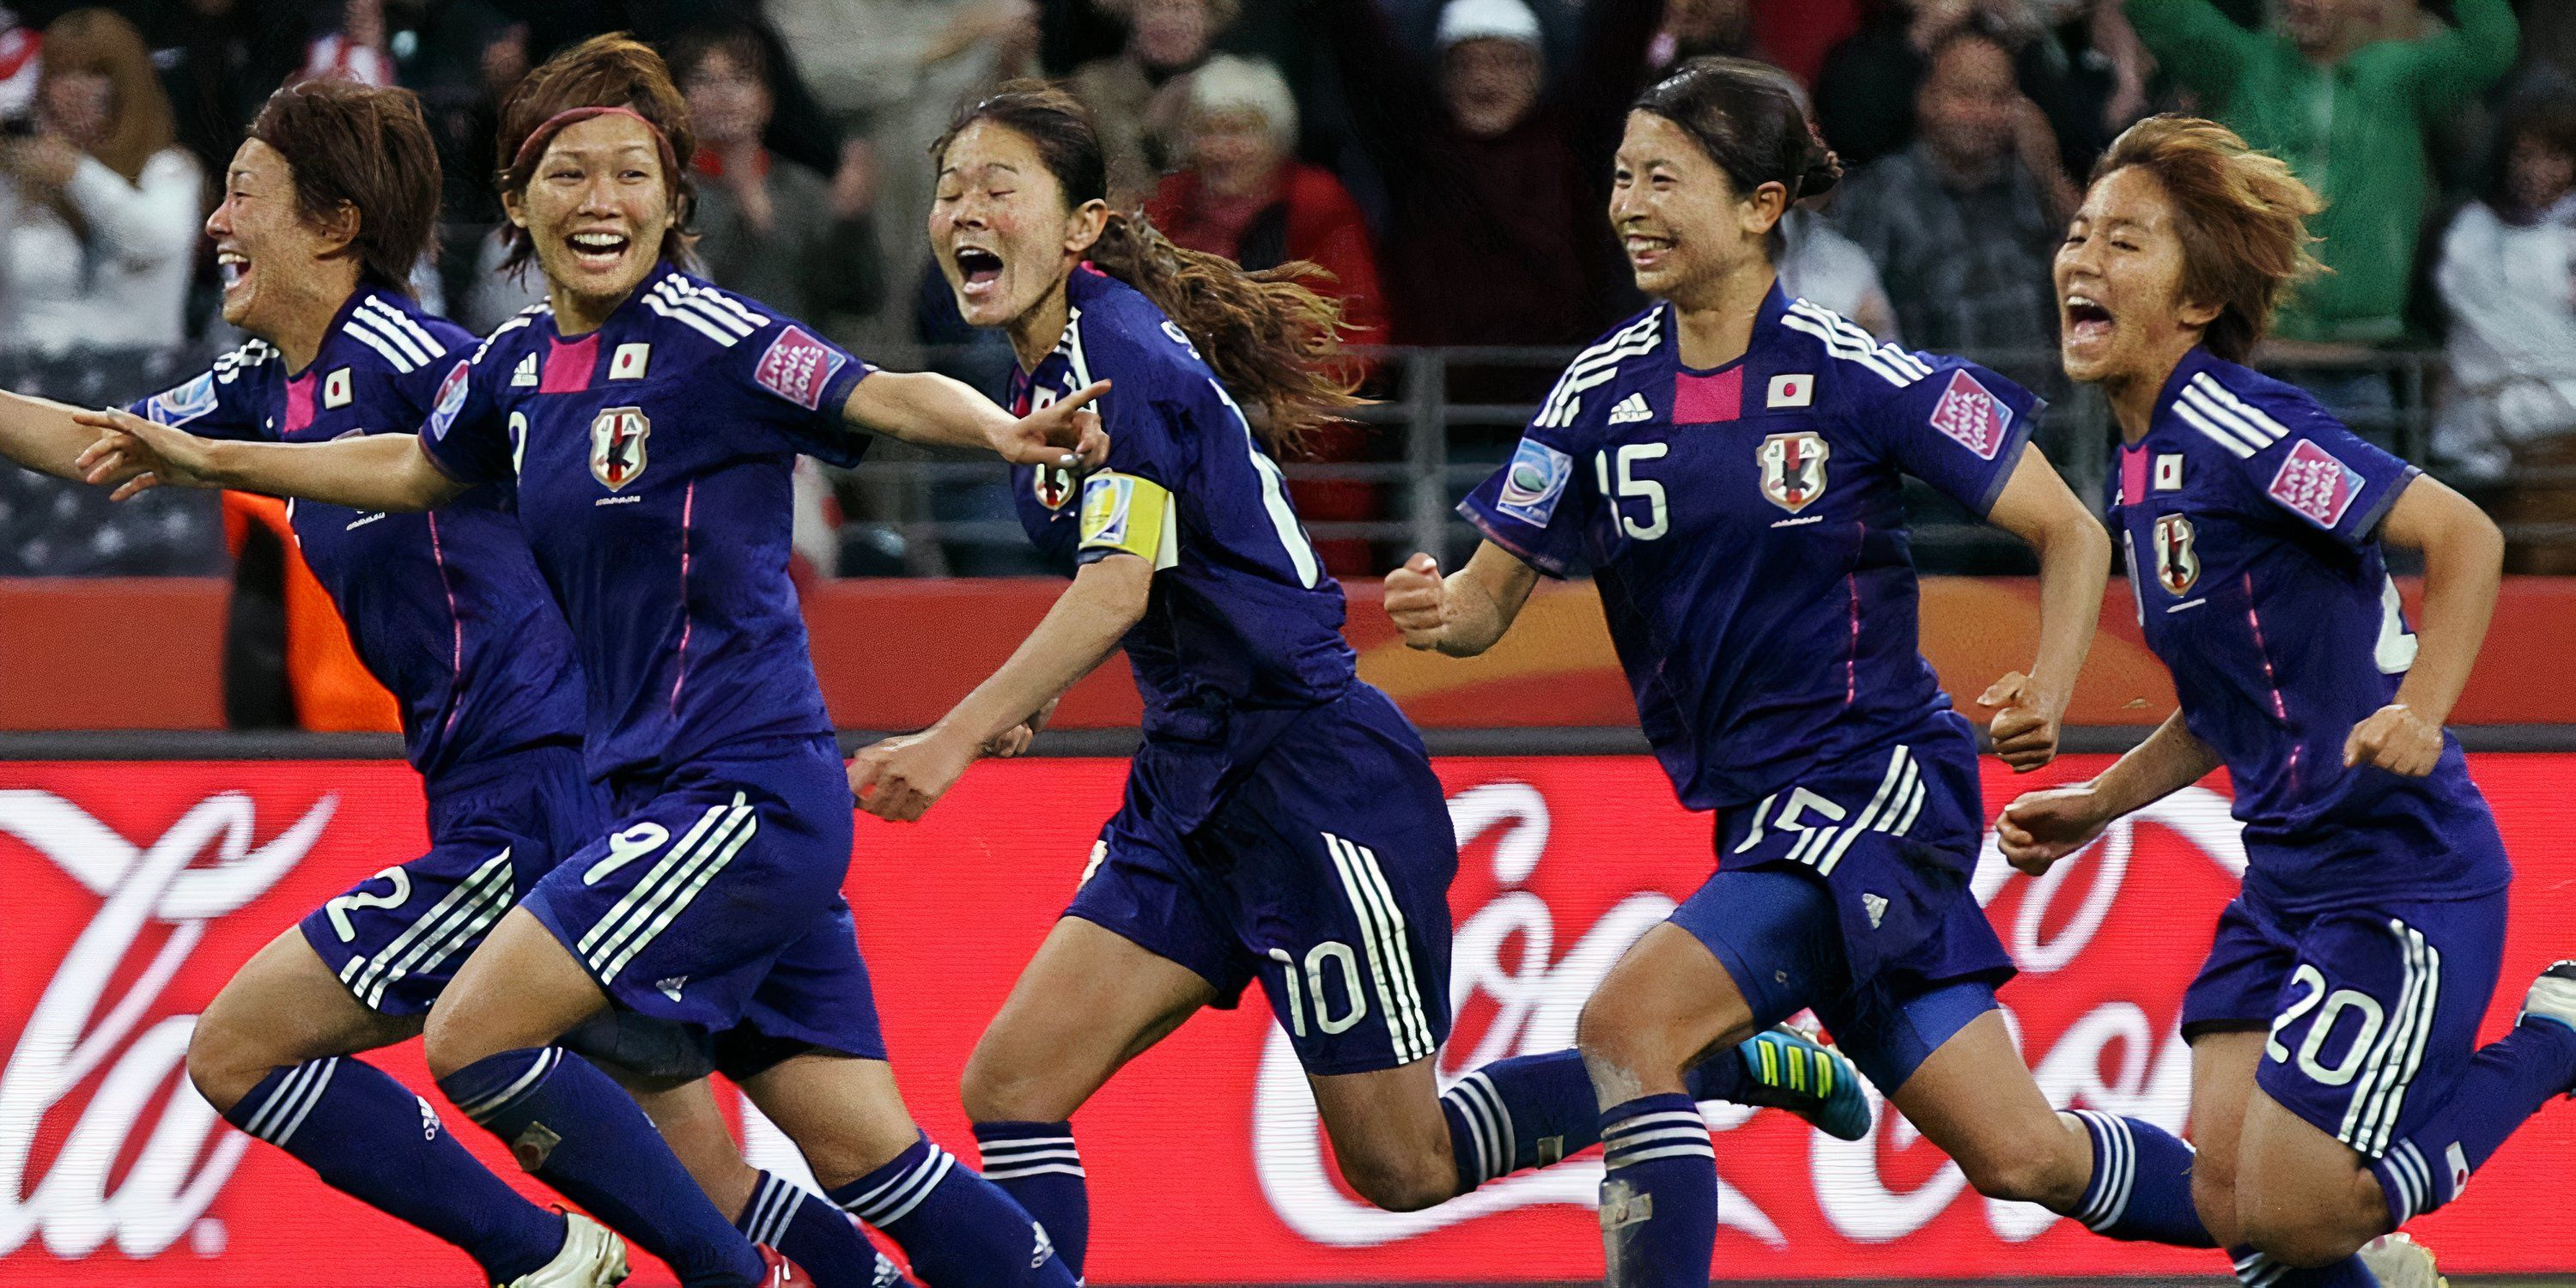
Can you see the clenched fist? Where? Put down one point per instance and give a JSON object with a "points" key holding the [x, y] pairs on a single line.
{"points": [[2396, 739], [2042, 827], [1417, 601]]}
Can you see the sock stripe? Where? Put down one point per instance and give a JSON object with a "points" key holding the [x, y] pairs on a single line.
{"points": [[1477, 1094], [2115, 1170], [1663, 1118], [1471, 1113], [1702, 1150], [1676, 1132], [895, 1199], [768, 1203], [1007, 1145], [1016, 1173], [277, 1120], [2259, 1271], [482, 1108], [2408, 1181]]}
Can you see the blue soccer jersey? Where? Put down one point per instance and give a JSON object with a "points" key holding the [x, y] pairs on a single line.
{"points": [[1746, 528], [446, 609], [651, 459], [1242, 616], [2250, 517]]}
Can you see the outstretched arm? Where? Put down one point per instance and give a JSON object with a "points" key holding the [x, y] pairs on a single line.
{"points": [[2074, 563], [928, 408], [1460, 615], [42, 434], [2463, 567], [371, 472], [901, 778]]}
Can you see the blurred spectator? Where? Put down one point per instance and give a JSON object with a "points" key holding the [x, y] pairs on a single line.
{"points": [[99, 210], [1820, 265], [1139, 97], [2508, 281], [1698, 28], [1866, 93], [220, 59], [1246, 197], [2319, 86], [768, 227], [1963, 223], [1496, 233], [355, 51]]}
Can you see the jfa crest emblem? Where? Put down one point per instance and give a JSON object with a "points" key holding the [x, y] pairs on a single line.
{"points": [[1793, 468], [2177, 563], [1054, 486], [617, 446]]}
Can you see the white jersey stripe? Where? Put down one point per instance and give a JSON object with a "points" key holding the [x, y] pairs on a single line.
{"points": [[1838, 347], [694, 321], [391, 352], [420, 338], [2255, 417], [2245, 430], [368, 321]]}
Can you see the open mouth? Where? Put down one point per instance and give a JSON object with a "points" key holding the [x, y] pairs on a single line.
{"points": [[232, 266], [977, 270], [599, 250], [1647, 252], [2086, 319]]}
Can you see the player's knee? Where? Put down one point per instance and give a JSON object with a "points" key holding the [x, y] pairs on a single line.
{"points": [[1622, 1040], [1407, 1184], [995, 1089], [449, 1041], [2040, 1165], [224, 1063]]}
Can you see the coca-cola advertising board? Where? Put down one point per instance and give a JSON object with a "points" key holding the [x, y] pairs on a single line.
{"points": [[130, 891]]}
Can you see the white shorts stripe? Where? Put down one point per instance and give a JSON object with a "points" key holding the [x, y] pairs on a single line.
{"points": [[487, 884], [670, 858], [683, 890], [1382, 938], [1889, 784]]}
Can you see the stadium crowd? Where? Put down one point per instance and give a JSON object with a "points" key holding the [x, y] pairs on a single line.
{"points": [[1442, 160]]}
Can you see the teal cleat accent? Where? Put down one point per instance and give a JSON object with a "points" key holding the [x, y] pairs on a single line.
{"points": [[1787, 1069]]}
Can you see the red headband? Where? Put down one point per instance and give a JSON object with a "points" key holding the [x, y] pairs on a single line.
{"points": [[538, 138]]}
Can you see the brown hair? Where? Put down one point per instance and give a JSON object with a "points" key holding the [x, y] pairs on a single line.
{"points": [[368, 149], [614, 70], [1273, 341], [2241, 216], [99, 42]]}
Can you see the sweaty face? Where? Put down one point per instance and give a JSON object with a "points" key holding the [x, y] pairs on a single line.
{"points": [[999, 225], [597, 207], [264, 250], [1490, 83], [2119, 281], [1676, 213], [1966, 103]]}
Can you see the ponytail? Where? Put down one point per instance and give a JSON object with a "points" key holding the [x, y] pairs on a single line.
{"points": [[1274, 342]]}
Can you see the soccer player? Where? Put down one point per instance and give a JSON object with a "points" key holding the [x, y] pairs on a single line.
{"points": [[2337, 1088], [1727, 464], [645, 424], [1282, 821]]}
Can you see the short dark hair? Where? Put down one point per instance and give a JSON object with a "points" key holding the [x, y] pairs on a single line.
{"points": [[2549, 121], [613, 70], [1747, 117], [368, 149]]}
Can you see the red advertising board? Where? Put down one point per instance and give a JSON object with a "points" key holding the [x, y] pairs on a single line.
{"points": [[133, 889]]}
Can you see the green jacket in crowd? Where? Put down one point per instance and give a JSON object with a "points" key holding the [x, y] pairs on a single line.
{"points": [[2355, 131]]}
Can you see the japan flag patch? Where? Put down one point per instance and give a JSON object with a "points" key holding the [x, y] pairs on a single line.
{"points": [[1971, 415], [2316, 485], [335, 389], [629, 362], [1797, 390]]}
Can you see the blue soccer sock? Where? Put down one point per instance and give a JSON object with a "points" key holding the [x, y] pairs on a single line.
{"points": [[2141, 1185], [2508, 1082], [1038, 1165], [960, 1230], [1659, 1194], [2258, 1270], [1525, 1111], [370, 1138], [815, 1235], [578, 1131]]}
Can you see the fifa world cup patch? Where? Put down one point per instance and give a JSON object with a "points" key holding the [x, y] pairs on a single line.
{"points": [[798, 367], [1793, 468], [1126, 513], [183, 404], [1972, 416], [451, 399], [617, 437], [2316, 485], [1533, 482]]}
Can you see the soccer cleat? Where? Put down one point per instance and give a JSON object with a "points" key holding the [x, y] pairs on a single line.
{"points": [[2553, 995], [591, 1257], [1790, 1070], [776, 1271], [2398, 1261]]}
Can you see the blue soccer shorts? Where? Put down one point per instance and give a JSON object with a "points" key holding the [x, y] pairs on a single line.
{"points": [[1324, 874], [2372, 1011], [396, 938], [714, 900]]}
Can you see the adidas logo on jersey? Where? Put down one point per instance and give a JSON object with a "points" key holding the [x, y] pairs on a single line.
{"points": [[671, 987], [1877, 906], [525, 374], [1630, 410]]}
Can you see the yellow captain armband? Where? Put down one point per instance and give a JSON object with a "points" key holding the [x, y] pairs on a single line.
{"points": [[1136, 515]]}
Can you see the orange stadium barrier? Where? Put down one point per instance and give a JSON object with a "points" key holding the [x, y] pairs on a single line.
{"points": [[135, 889], [895, 654]]}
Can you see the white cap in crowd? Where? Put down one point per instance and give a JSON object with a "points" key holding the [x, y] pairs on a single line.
{"points": [[1487, 20], [1226, 83]]}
